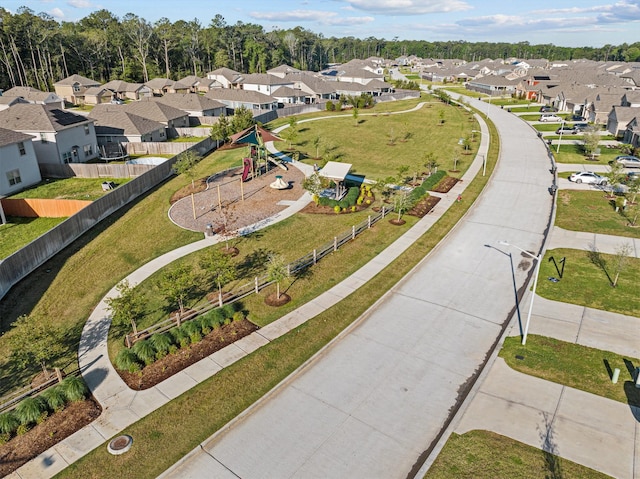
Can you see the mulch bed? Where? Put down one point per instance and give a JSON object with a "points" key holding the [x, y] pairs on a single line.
{"points": [[172, 363], [445, 184], [21, 449], [424, 206]]}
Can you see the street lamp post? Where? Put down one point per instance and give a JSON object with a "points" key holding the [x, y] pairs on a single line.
{"points": [[535, 284], [560, 139]]}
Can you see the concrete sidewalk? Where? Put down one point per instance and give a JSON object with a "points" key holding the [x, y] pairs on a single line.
{"points": [[561, 238]]}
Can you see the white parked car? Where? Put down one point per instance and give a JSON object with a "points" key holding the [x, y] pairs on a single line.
{"points": [[588, 177], [550, 118]]}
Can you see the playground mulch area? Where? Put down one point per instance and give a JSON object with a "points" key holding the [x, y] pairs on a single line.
{"points": [[222, 205]]}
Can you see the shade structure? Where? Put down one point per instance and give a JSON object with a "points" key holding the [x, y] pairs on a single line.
{"points": [[254, 135]]}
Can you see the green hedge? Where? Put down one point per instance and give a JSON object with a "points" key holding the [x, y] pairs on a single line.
{"points": [[349, 200], [421, 191]]}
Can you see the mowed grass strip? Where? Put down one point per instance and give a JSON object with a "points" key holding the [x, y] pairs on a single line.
{"points": [[18, 231], [487, 455], [88, 189], [575, 154], [592, 211], [167, 434], [574, 365], [586, 283]]}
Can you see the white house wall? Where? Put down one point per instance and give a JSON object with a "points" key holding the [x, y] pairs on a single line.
{"points": [[27, 165]]}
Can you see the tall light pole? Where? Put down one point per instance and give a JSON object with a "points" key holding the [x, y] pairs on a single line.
{"points": [[560, 139], [535, 284]]}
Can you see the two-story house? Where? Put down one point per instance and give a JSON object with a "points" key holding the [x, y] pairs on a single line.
{"points": [[18, 163], [33, 95], [72, 89], [59, 136]]}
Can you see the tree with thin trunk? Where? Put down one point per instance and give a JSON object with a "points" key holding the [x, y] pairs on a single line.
{"points": [[127, 307], [401, 203], [276, 271], [185, 165], [33, 339], [620, 261], [317, 142], [177, 284], [219, 267], [590, 141]]}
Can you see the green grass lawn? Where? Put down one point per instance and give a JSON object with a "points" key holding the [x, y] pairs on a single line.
{"points": [[575, 154], [523, 109], [89, 189], [204, 409], [487, 455], [580, 367], [368, 148], [589, 284], [19, 231], [591, 211]]}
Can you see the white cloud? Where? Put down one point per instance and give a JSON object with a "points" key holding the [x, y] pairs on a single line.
{"points": [[80, 4], [56, 13], [409, 7], [316, 16]]}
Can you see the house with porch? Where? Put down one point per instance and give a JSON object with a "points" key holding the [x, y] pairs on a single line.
{"points": [[59, 136], [18, 162]]}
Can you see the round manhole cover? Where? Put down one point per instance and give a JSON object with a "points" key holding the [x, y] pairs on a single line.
{"points": [[120, 445]]}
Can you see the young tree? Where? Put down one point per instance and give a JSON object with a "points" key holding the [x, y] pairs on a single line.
{"points": [[620, 261], [401, 203], [127, 307], [221, 130], [401, 174], [185, 165], [430, 163], [317, 142], [355, 114], [219, 267], [590, 141], [615, 175], [276, 271], [34, 340], [314, 185], [177, 284], [242, 119]]}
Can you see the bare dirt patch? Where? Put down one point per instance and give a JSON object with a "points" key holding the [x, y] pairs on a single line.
{"points": [[445, 184], [424, 206]]}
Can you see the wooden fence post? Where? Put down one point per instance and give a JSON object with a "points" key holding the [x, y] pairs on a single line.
{"points": [[58, 374], [369, 222], [256, 283], [383, 211], [315, 256], [335, 243], [353, 232]]}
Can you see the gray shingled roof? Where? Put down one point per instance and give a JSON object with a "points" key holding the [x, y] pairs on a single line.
{"points": [[159, 83], [36, 117], [153, 110], [9, 137], [115, 120], [70, 80], [263, 79], [28, 93], [188, 101], [227, 73], [229, 94]]}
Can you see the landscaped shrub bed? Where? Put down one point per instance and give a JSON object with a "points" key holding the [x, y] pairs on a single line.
{"points": [[429, 183]]}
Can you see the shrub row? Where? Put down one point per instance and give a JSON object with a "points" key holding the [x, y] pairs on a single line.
{"points": [[158, 345], [35, 409], [420, 191], [350, 199]]}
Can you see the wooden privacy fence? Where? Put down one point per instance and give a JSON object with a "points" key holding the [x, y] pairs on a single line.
{"points": [[45, 208], [259, 282], [93, 170]]}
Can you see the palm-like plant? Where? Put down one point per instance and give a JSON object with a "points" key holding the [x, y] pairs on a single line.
{"points": [[161, 342], [55, 398], [127, 360], [29, 409], [145, 351], [8, 422], [74, 388]]}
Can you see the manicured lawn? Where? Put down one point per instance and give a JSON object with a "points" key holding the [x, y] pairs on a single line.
{"points": [[536, 117], [580, 367], [20, 231], [201, 411], [487, 455], [575, 154], [588, 284], [591, 211], [88, 189], [522, 109], [368, 145]]}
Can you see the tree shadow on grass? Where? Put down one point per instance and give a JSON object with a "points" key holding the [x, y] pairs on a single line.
{"points": [[597, 259]]}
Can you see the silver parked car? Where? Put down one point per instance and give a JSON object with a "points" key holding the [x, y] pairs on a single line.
{"points": [[554, 118], [588, 177], [628, 161]]}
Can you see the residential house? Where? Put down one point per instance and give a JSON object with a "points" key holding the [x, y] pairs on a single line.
{"points": [[604, 101], [632, 133], [128, 91], [226, 77], [73, 88], [253, 100], [59, 136], [493, 85], [193, 104], [313, 86], [33, 95], [263, 83], [631, 98], [162, 86], [283, 70], [620, 117], [18, 162], [197, 84], [169, 116], [115, 124], [97, 95], [291, 96]]}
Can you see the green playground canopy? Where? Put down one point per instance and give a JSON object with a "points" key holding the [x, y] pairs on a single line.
{"points": [[254, 135]]}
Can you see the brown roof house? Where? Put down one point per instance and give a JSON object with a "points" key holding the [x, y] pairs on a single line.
{"points": [[18, 162], [59, 136], [124, 90], [169, 116], [193, 104], [73, 88]]}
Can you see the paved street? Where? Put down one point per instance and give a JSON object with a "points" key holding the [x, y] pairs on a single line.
{"points": [[379, 397]]}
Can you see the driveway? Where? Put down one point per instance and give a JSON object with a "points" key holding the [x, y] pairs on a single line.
{"points": [[375, 402]]}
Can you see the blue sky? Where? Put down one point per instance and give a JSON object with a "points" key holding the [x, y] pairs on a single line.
{"points": [[561, 22]]}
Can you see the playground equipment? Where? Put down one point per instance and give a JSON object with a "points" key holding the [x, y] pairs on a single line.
{"points": [[256, 137], [279, 184], [247, 164]]}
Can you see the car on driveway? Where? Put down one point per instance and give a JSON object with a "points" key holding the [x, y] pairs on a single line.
{"points": [[628, 161], [550, 118], [548, 108], [588, 177], [567, 130], [581, 126]]}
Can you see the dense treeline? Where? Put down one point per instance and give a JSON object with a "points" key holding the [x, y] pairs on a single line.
{"points": [[36, 50]]}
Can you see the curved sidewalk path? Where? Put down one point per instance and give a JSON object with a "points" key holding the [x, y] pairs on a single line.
{"points": [[373, 402], [122, 406]]}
